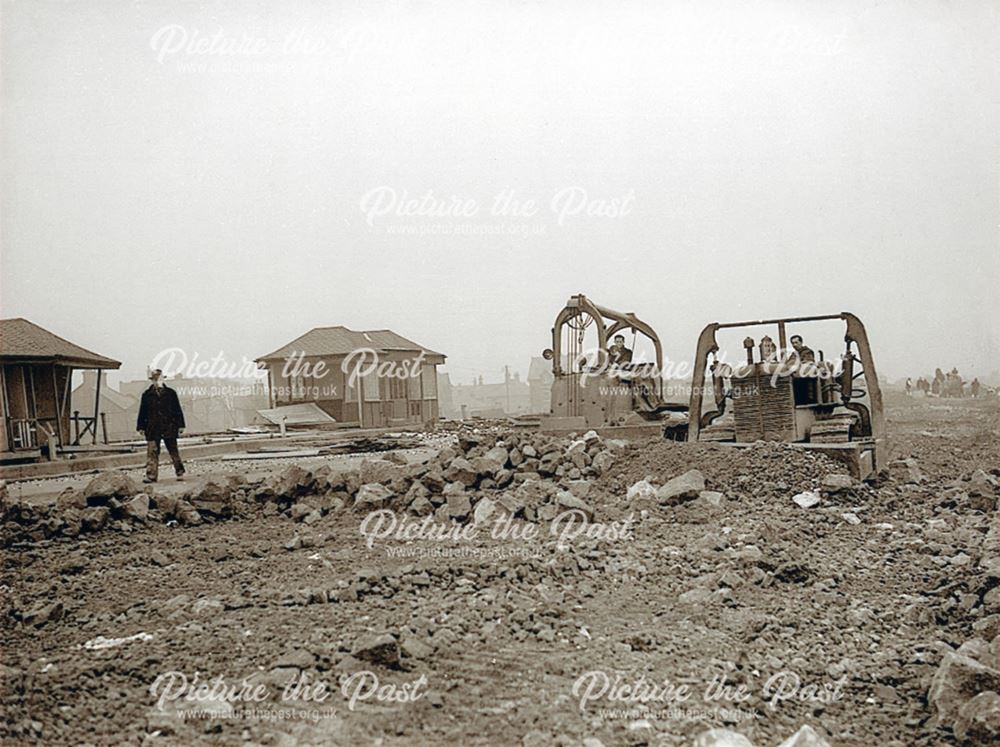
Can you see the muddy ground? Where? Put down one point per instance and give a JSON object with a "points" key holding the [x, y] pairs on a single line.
{"points": [[835, 616]]}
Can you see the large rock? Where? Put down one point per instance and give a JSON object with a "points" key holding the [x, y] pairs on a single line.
{"points": [[579, 488], [372, 496], [682, 488], [712, 498], [382, 650], [416, 491], [641, 490], [108, 485], [137, 508], [420, 506], [43, 614], [808, 499], [805, 737], [327, 478], [94, 518], [907, 471], [292, 482], [415, 648], [978, 721], [434, 481], [958, 679], [981, 484], [602, 462], [486, 467], [721, 738], [837, 483], [459, 505], [566, 501], [213, 494], [461, 470], [531, 493], [484, 511], [380, 471], [498, 454], [70, 498]]}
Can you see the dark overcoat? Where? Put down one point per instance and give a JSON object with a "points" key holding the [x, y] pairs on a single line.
{"points": [[160, 414]]}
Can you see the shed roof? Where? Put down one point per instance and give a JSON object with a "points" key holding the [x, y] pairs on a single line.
{"points": [[323, 341], [21, 340]]}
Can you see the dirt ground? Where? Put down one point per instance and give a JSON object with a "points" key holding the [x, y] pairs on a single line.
{"points": [[834, 616]]}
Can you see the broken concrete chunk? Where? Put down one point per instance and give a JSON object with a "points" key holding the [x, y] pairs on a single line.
{"points": [[805, 737], [837, 483], [808, 499], [721, 738], [958, 679], [372, 496], [682, 488]]}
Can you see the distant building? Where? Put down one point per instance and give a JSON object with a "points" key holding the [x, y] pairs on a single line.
{"points": [[389, 380], [540, 380], [446, 407], [479, 399], [209, 405], [36, 370], [118, 410]]}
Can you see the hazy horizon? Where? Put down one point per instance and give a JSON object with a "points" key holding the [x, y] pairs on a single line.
{"points": [[224, 179]]}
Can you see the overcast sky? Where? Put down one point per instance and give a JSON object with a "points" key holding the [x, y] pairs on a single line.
{"points": [[226, 176]]}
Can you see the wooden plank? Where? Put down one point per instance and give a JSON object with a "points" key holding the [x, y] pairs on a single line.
{"points": [[301, 453]]}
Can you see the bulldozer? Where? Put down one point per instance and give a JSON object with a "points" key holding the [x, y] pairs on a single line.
{"points": [[791, 393], [590, 390]]}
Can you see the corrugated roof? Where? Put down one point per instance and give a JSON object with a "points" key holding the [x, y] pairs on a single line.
{"points": [[24, 340], [343, 341]]}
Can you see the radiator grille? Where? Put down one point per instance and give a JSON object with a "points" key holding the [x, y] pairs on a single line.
{"points": [[764, 409]]}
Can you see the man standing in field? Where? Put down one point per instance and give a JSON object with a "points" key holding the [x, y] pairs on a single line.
{"points": [[160, 418]]}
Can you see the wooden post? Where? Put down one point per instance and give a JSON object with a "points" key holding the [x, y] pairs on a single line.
{"points": [[97, 402], [104, 426], [66, 398], [52, 443], [270, 388], [361, 396], [76, 427]]}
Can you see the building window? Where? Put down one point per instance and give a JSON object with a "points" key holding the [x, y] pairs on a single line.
{"points": [[397, 388]]}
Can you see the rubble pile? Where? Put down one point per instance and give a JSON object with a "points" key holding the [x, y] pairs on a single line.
{"points": [[113, 501], [760, 473], [964, 692], [538, 475]]}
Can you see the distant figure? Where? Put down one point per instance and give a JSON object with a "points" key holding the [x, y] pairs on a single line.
{"points": [[160, 418], [974, 387], [805, 354], [909, 387], [937, 387], [618, 354]]}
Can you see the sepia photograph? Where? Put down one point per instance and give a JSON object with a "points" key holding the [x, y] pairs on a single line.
{"points": [[525, 373]]}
